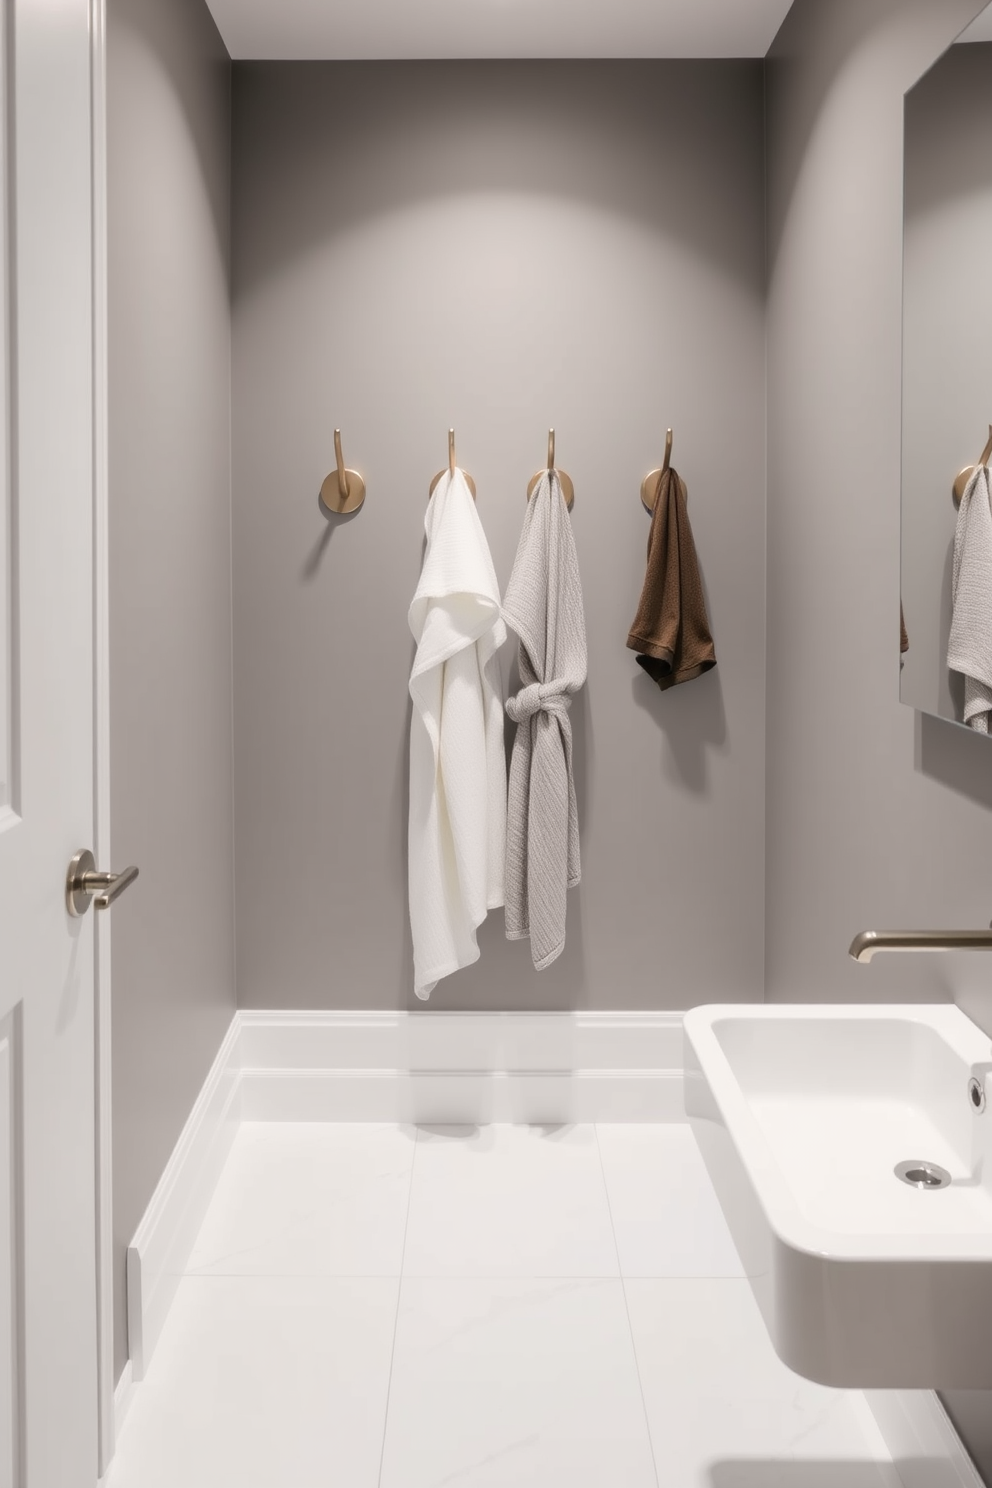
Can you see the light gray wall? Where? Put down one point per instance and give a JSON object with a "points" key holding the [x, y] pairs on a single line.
{"points": [[947, 392], [875, 816], [501, 247], [170, 589]]}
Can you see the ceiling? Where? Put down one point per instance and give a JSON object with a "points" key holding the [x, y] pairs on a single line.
{"points": [[323, 29]]}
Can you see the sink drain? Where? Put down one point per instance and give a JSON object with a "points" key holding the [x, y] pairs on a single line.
{"points": [[923, 1174]]}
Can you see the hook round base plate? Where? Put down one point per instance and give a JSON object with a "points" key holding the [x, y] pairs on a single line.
{"points": [[330, 493], [567, 488], [961, 482], [77, 898], [649, 489], [440, 476]]}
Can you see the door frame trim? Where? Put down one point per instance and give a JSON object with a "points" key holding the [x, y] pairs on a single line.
{"points": [[101, 740]]}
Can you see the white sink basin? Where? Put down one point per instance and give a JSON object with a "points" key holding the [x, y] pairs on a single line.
{"points": [[802, 1115]]}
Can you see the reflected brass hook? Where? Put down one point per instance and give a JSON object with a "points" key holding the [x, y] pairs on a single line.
{"points": [[964, 476]]}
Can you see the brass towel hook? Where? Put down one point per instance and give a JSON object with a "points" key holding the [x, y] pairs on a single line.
{"points": [[651, 484], [964, 476], [343, 490], [452, 465], [567, 488]]}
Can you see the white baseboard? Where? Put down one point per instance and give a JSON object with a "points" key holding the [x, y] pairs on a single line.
{"points": [[477, 1098], [920, 1439], [464, 1068], [157, 1256], [418, 1041], [420, 1067], [123, 1396]]}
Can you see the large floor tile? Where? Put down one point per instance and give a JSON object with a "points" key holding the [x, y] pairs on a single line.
{"points": [[529, 1383], [666, 1216], [306, 1199], [264, 1382], [725, 1412], [509, 1201]]}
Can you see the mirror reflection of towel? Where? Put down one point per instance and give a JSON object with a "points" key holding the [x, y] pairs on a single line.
{"points": [[671, 631], [969, 649]]}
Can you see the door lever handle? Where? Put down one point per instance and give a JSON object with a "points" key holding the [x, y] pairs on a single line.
{"points": [[83, 883]]}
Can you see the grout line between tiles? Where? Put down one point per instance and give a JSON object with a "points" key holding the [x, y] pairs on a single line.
{"points": [[452, 1276], [396, 1319], [626, 1308]]}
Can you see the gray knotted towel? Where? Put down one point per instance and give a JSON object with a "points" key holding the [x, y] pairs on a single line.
{"points": [[543, 604], [969, 647]]}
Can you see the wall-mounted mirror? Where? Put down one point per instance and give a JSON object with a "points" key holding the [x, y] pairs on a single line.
{"points": [[947, 384]]}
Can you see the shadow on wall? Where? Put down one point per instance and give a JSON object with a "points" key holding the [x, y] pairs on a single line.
{"points": [[691, 717], [947, 177], [955, 757], [332, 520], [562, 984], [693, 722]]}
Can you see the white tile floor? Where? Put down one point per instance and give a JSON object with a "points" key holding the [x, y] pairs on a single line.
{"points": [[379, 1307]]}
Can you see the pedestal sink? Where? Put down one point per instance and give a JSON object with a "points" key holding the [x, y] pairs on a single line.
{"points": [[803, 1115]]}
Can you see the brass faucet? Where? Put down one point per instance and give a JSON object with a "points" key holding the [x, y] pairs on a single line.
{"points": [[870, 942]]}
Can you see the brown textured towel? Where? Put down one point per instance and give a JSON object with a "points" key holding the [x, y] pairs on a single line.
{"points": [[671, 630], [903, 635]]}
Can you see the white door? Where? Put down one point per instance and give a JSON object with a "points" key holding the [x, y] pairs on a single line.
{"points": [[48, 1375]]}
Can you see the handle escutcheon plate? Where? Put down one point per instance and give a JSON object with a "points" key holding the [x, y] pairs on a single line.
{"points": [[83, 885]]}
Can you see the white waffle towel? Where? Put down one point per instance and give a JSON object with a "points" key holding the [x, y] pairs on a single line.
{"points": [[457, 760]]}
